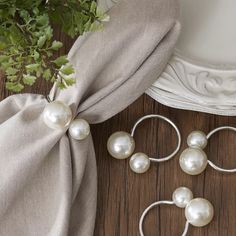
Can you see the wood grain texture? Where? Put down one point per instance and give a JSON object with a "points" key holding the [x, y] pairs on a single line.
{"points": [[123, 195]]}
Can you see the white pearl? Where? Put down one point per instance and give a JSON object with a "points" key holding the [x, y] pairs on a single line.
{"points": [[120, 145], [57, 115], [182, 196], [199, 212], [197, 139], [79, 129], [193, 161], [139, 163]]}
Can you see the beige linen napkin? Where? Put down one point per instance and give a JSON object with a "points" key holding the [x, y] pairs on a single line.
{"points": [[47, 179]]}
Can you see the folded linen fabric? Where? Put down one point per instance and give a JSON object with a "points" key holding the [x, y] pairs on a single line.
{"points": [[47, 179]]}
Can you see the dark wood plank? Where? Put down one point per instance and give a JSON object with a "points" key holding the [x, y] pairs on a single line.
{"points": [[123, 195]]}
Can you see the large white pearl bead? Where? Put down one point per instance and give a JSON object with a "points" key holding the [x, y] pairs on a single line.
{"points": [[139, 163], [79, 129], [193, 161], [199, 212], [182, 196], [197, 139], [57, 115], [120, 145]]}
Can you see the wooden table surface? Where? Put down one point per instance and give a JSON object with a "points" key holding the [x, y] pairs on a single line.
{"points": [[123, 195]]}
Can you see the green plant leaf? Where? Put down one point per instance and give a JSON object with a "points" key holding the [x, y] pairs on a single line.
{"points": [[61, 85], [41, 41], [29, 79], [2, 45], [32, 67], [56, 45], [48, 32], [27, 51], [67, 69], [60, 61], [12, 78], [93, 7], [42, 20], [11, 71], [36, 55], [87, 25], [47, 74], [3, 58], [69, 81], [13, 86]]}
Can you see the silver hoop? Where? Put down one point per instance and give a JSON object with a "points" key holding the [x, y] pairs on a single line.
{"points": [[193, 160], [168, 121], [183, 198], [121, 145], [151, 207], [49, 100], [51, 96], [208, 137]]}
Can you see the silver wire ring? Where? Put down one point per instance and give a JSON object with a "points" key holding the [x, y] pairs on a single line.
{"points": [[51, 96], [168, 121], [208, 137], [152, 206], [48, 99]]}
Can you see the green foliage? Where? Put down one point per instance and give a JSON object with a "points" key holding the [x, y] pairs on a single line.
{"points": [[27, 48], [76, 17]]}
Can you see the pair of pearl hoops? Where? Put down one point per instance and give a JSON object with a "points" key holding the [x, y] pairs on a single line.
{"points": [[193, 160], [58, 115], [198, 211], [121, 145]]}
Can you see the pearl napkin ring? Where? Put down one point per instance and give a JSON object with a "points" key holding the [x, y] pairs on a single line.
{"points": [[198, 211], [193, 160], [121, 145], [58, 115]]}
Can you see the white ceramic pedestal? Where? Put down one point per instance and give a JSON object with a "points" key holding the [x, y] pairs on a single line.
{"points": [[201, 76]]}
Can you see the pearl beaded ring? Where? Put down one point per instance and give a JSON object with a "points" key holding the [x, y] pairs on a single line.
{"points": [[193, 160], [58, 115], [121, 145], [198, 211]]}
